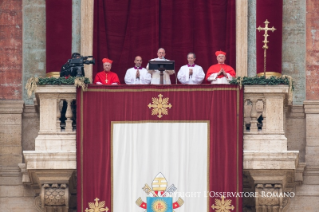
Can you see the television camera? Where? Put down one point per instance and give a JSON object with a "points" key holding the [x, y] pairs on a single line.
{"points": [[75, 66]]}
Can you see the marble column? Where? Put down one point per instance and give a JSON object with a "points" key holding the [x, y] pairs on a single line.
{"points": [[241, 37], [87, 16]]}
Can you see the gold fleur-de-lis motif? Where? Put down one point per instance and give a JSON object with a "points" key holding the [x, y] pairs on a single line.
{"points": [[97, 206], [223, 205], [159, 106]]}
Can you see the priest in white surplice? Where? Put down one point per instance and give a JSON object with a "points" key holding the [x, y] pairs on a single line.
{"points": [[191, 73], [137, 74], [156, 73]]}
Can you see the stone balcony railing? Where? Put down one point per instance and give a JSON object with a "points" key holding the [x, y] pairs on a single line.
{"points": [[267, 163], [54, 134], [51, 166], [264, 118]]}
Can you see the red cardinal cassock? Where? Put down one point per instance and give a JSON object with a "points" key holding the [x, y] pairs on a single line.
{"points": [[217, 67], [106, 77]]}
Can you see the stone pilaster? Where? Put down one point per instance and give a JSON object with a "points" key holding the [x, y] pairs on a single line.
{"points": [[312, 132], [10, 132], [241, 37], [30, 127], [11, 50], [76, 26], [312, 42], [14, 196], [296, 130], [87, 15], [294, 46], [34, 42], [252, 69]]}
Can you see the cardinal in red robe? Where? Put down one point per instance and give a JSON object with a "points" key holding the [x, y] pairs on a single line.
{"points": [[220, 73], [106, 77]]}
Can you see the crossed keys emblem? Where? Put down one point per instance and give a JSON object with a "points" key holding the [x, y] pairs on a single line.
{"points": [[170, 190], [159, 189]]}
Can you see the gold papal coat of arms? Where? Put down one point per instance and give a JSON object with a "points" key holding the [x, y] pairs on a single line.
{"points": [[159, 196]]}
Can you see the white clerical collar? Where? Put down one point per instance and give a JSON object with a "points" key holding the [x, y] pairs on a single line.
{"points": [[160, 59]]}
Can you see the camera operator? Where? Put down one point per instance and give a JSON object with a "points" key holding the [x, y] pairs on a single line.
{"points": [[75, 66]]}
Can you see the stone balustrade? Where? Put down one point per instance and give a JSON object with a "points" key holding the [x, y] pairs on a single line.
{"points": [[264, 118], [55, 104], [268, 165], [265, 143], [53, 163]]}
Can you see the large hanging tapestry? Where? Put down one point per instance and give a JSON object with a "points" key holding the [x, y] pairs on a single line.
{"points": [[160, 148]]}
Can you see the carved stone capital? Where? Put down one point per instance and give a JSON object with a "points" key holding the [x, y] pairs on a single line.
{"points": [[272, 197], [299, 173], [268, 195], [25, 174], [55, 195], [273, 188]]}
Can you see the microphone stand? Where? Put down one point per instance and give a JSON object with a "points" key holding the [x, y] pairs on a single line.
{"points": [[175, 77]]}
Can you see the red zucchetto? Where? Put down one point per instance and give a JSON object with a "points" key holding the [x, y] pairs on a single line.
{"points": [[106, 60], [220, 52]]}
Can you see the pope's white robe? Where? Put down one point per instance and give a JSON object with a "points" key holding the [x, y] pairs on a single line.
{"points": [[224, 80], [130, 77], [156, 74], [196, 78]]}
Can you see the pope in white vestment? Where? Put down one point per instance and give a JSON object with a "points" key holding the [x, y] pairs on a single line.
{"points": [[191, 73], [156, 73], [137, 74]]}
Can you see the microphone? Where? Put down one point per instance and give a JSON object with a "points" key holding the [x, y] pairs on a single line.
{"points": [[175, 77], [174, 73]]}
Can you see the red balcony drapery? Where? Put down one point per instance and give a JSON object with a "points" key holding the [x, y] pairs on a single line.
{"points": [[125, 29], [271, 10], [58, 34], [220, 105]]}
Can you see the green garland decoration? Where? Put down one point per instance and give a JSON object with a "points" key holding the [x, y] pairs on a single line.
{"points": [[33, 82], [283, 80], [84, 81], [61, 80]]}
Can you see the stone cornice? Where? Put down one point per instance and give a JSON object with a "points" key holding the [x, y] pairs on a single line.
{"points": [[311, 106], [55, 89], [271, 160], [11, 106], [50, 160], [266, 89]]}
